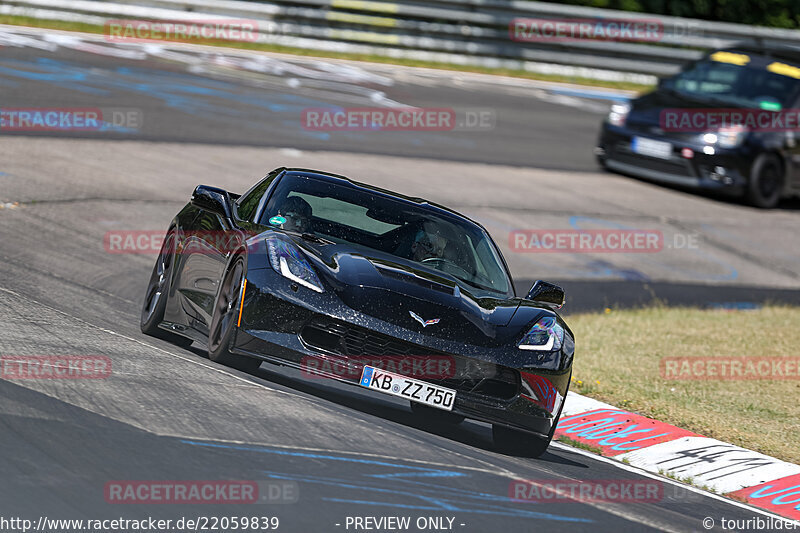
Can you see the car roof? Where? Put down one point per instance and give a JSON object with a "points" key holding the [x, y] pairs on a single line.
{"points": [[786, 52], [344, 180]]}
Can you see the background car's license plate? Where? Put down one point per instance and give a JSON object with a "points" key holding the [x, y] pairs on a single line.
{"points": [[649, 147], [412, 389]]}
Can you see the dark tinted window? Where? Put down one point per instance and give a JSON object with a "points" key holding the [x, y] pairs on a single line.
{"points": [[246, 205], [758, 82], [341, 213]]}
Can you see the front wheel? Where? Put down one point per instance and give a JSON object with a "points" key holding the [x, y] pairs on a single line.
{"points": [[766, 182], [515, 442], [225, 316], [155, 297]]}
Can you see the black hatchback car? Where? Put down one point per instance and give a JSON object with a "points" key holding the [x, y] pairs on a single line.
{"points": [[727, 122]]}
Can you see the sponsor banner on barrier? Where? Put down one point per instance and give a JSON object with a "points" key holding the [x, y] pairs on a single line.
{"points": [[781, 496], [616, 431], [710, 462]]}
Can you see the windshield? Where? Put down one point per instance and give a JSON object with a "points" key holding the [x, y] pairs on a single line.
{"points": [[343, 214], [741, 80]]}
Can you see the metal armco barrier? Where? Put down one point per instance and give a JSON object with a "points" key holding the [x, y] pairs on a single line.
{"points": [[466, 32]]}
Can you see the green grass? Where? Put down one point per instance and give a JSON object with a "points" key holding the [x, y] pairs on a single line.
{"points": [[93, 28], [578, 444], [617, 361]]}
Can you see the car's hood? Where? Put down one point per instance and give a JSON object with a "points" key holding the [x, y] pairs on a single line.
{"points": [[646, 111], [411, 296]]}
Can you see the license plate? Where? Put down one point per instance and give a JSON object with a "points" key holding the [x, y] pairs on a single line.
{"points": [[411, 389], [651, 148]]}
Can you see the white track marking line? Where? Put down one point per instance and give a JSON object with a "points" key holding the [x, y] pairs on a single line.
{"points": [[690, 488], [493, 470], [600, 458]]}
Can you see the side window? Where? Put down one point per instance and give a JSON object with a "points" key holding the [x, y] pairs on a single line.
{"points": [[247, 204]]}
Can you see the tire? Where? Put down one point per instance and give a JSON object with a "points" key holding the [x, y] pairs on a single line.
{"points": [[434, 416], [515, 442], [765, 185], [155, 297], [222, 327]]}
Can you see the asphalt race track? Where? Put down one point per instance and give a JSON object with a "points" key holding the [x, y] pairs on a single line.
{"points": [[322, 451]]}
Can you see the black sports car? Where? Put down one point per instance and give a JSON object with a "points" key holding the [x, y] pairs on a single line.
{"points": [[355, 283]]}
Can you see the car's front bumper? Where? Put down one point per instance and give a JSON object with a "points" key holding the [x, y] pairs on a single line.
{"points": [[725, 170], [276, 326]]}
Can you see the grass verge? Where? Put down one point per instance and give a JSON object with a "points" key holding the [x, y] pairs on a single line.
{"points": [[618, 362], [93, 28]]}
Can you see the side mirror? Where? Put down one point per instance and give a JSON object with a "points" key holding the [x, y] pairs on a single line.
{"points": [[548, 293], [212, 199]]}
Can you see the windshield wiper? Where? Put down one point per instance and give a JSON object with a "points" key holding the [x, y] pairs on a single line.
{"points": [[308, 237], [314, 238]]}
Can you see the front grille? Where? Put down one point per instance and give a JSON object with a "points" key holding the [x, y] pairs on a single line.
{"points": [[667, 166], [470, 375]]}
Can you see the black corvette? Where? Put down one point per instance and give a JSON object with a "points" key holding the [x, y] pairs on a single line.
{"points": [[351, 282]]}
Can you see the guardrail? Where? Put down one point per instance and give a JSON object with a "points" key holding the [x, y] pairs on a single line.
{"points": [[466, 32]]}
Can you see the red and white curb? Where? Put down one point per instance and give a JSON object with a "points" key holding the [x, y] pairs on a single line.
{"points": [[760, 480]]}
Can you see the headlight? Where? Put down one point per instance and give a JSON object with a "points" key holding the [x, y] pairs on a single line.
{"points": [[545, 336], [618, 114], [287, 261], [726, 137]]}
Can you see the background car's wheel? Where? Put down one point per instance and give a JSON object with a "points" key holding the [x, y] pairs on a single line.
{"points": [[155, 298], [432, 415], [223, 321], [766, 182]]}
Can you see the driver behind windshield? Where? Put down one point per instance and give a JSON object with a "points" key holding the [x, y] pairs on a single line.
{"points": [[428, 243], [297, 213]]}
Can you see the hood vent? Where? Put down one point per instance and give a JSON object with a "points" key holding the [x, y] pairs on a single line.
{"points": [[410, 277]]}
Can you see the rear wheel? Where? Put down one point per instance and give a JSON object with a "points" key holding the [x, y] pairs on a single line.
{"points": [[766, 182], [432, 415], [223, 320], [155, 298]]}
